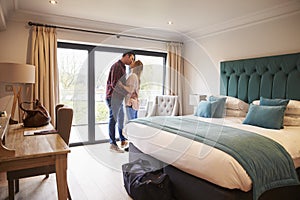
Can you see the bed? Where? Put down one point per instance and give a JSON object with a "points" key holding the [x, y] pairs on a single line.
{"points": [[196, 169]]}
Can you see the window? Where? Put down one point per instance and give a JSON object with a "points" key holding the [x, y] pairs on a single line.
{"points": [[83, 71], [73, 68]]}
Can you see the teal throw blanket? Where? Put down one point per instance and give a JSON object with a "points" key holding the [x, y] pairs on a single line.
{"points": [[266, 162]]}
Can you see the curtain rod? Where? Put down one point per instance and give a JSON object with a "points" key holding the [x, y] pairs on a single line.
{"points": [[102, 32]]}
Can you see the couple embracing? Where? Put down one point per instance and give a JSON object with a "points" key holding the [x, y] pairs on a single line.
{"points": [[118, 88]]}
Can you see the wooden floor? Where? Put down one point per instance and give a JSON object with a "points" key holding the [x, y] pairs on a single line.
{"points": [[93, 173]]}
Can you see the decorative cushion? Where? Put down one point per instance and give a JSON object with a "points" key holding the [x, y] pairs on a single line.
{"points": [[265, 116], [273, 102], [293, 108], [209, 109], [291, 120], [235, 113], [205, 109], [292, 113], [220, 105], [255, 102], [236, 104]]}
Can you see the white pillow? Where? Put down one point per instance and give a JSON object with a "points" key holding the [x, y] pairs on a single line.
{"points": [[235, 113], [256, 102], [293, 108], [236, 104], [291, 120]]}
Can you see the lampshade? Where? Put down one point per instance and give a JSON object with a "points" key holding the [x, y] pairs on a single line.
{"points": [[17, 73], [194, 99]]}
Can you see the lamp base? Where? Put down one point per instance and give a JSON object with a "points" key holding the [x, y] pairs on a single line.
{"points": [[17, 92], [11, 121]]}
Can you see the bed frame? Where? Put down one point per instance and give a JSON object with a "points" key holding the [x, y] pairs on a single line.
{"points": [[188, 187], [247, 79], [271, 77]]}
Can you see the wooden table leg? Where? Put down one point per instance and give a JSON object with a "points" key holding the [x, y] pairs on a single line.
{"points": [[11, 190], [61, 176]]}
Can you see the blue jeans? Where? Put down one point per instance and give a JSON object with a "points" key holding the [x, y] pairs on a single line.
{"points": [[116, 114], [131, 113]]}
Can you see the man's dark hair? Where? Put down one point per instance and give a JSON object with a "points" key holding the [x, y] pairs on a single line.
{"points": [[129, 53]]}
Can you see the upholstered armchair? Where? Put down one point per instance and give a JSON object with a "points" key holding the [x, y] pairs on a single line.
{"points": [[164, 105]]}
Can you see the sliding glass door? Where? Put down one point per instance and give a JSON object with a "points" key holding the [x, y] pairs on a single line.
{"points": [[103, 62], [73, 87], [83, 71]]}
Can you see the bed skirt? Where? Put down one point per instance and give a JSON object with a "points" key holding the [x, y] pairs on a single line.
{"points": [[189, 187]]}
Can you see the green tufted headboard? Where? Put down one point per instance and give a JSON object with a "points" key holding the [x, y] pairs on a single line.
{"points": [[270, 77]]}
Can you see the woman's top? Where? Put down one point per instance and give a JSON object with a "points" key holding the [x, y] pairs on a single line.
{"points": [[131, 98]]}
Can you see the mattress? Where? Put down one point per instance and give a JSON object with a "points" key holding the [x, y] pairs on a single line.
{"points": [[204, 161]]}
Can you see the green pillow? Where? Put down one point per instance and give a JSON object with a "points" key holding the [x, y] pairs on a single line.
{"points": [[205, 109], [274, 102], [220, 106], [265, 116], [214, 108]]}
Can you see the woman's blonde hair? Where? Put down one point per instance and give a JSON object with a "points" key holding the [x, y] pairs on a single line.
{"points": [[138, 69]]}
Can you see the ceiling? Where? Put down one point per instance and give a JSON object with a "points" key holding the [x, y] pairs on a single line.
{"points": [[193, 18]]}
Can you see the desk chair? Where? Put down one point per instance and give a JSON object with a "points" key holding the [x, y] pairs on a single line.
{"points": [[64, 116], [164, 105]]}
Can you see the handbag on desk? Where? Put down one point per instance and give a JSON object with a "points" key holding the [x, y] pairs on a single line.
{"points": [[35, 117]]}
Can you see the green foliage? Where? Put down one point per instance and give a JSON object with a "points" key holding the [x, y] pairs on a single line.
{"points": [[81, 111], [101, 112]]}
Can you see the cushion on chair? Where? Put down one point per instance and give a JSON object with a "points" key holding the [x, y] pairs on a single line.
{"points": [[165, 105]]}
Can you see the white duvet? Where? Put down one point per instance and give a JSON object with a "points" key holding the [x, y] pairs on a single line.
{"points": [[204, 161]]}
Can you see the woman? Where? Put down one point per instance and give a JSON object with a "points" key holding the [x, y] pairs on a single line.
{"points": [[133, 87]]}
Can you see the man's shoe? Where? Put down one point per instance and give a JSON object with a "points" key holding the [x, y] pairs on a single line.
{"points": [[115, 148], [124, 144]]}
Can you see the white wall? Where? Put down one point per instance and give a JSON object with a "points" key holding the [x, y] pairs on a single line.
{"points": [[98, 39], [203, 55], [272, 37], [201, 74], [13, 42]]}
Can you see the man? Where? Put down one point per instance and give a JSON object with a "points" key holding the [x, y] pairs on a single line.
{"points": [[115, 94]]}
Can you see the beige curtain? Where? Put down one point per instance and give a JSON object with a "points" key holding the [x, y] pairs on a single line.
{"points": [[174, 78], [44, 57]]}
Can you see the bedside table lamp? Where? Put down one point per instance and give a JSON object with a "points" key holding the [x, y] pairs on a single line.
{"points": [[16, 75], [194, 100]]}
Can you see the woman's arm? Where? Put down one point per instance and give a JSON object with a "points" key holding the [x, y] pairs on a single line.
{"points": [[131, 82]]}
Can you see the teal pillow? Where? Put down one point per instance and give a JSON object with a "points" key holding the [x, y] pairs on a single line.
{"points": [[220, 106], [265, 116], [205, 109], [210, 109], [273, 102]]}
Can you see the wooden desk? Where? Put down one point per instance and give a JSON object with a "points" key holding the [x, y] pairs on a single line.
{"points": [[35, 151]]}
